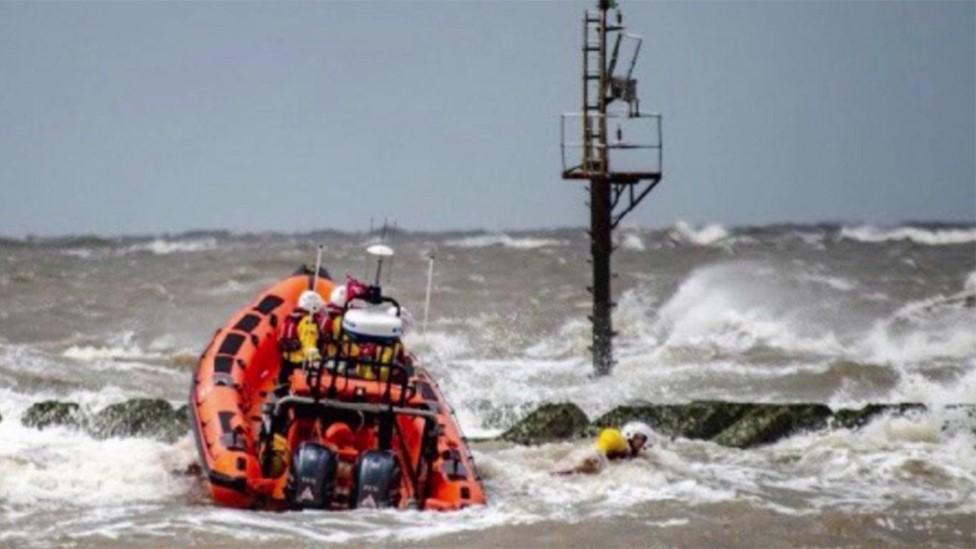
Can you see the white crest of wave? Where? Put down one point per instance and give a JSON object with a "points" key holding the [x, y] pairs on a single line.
{"points": [[631, 240], [90, 353], [888, 342], [229, 287], [82, 253], [835, 282], [921, 457], [736, 306], [914, 386], [362, 527], [571, 340], [501, 239], [56, 465], [121, 347], [920, 331], [707, 235], [931, 237], [161, 246], [437, 347], [658, 474]]}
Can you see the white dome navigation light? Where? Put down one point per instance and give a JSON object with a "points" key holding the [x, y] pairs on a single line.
{"points": [[379, 251]]}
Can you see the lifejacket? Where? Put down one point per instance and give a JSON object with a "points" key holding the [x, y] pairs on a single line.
{"points": [[301, 335]]}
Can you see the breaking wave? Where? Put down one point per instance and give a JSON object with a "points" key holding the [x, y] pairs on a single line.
{"points": [[736, 307], [504, 240], [92, 353], [704, 236], [632, 241], [742, 330], [161, 246], [124, 347], [918, 235]]}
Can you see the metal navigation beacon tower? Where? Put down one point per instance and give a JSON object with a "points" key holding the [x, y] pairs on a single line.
{"points": [[620, 172]]}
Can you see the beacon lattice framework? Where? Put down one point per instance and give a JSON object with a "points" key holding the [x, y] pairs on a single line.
{"points": [[621, 171]]}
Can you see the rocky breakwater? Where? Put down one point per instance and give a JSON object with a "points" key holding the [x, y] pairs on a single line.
{"points": [[140, 417], [734, 424]]}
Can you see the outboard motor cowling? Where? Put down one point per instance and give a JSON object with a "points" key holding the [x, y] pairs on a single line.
{"points": [[312, 478], [377, 480]]}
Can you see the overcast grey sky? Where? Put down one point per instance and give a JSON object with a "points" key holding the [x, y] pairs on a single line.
{"points": [[146, 117]]}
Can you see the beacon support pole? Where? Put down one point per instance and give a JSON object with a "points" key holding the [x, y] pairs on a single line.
{"points": [[617, 181]]}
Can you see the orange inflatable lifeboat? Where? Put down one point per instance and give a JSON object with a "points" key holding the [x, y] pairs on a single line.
{"points": [[360, 432]]}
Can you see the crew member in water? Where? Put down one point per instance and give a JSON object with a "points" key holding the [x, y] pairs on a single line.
{"points": [[612, 444]]}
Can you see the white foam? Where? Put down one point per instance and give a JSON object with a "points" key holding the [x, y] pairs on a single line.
{"points": [[704, 337], [59, 465], [161, 246], [571, 340], [632, 241], [705, 236], [915, 386], [436, 345], [815, 240], [123, 353], [91, 353], [736, 307], [66, 466], [921, 331], [931, 237], [229, 287], [114, 487], [835, 282], [886, 344], [894, 459], [360, 526], [82, 253], [504, 240]]}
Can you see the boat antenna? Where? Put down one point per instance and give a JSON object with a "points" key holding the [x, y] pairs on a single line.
{"points": [[380, 251], [318, 266], [394, 241], [430, 279]]}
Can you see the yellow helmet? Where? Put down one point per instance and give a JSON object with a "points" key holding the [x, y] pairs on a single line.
{"points": [[611, 442]]}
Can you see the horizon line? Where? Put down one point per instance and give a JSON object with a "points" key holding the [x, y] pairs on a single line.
{"points": [[142, 235]]}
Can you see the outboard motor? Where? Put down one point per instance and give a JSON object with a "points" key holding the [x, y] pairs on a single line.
{"points": [[377, 480], [312, 478]]}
